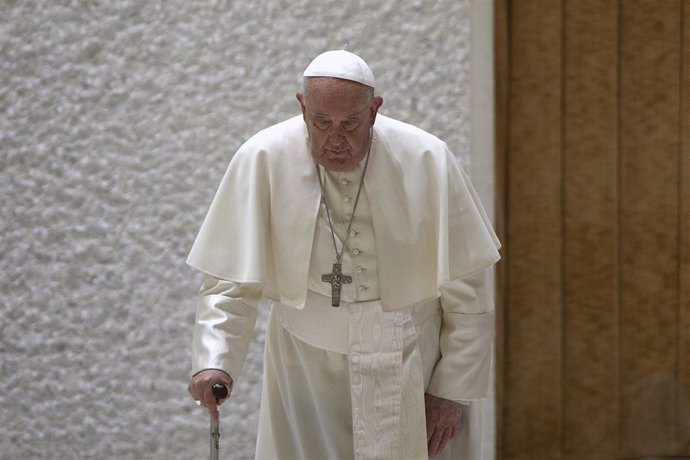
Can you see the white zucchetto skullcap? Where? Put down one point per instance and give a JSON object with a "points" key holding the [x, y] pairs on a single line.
{"points": [[340, 64]]}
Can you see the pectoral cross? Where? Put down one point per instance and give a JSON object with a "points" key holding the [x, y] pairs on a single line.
{"points": [[336, 279]]}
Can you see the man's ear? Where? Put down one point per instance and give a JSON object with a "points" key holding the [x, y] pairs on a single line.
{"points": [[376, 103], [300, 99]]}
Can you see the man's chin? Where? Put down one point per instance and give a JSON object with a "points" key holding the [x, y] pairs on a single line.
{"points": [[338, 164]]}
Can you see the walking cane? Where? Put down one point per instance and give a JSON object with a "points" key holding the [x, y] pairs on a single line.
{"points": [[220, 392]]}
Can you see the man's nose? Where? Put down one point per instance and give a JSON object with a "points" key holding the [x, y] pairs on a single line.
{"points": [[336, 136]]}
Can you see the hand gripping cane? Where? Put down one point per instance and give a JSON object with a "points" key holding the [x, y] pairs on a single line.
{"points": [[220, 392]]}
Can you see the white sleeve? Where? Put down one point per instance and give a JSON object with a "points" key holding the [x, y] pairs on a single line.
{"points": [[225, 318], [466, 340]]}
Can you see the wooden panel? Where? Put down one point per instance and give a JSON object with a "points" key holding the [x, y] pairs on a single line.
{"points": [[684, 304], [591, 217], [650, 38], [532, 359], [620, 386]]}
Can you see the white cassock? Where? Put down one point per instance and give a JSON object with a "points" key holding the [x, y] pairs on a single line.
{"points": [[349, 382]]}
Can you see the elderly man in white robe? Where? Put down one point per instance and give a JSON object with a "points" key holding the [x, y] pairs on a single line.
{"points": [[373, 252]]}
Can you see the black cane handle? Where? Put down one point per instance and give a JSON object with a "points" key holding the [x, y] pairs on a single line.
{"points": [[220, 391]]}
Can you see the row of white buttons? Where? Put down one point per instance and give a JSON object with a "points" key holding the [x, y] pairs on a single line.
{"points": [[353, 233], [360, 269]]}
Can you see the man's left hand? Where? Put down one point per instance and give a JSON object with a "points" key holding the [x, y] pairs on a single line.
{"points": [[443, 422]]}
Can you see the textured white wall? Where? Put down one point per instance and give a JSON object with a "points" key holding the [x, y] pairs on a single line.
{"points": [[117, 120]]}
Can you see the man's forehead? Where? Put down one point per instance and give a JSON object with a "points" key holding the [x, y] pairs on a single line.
{"points": [[346, 107]]}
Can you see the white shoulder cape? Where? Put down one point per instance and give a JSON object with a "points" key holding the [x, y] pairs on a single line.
{"points": [[429, 225]]}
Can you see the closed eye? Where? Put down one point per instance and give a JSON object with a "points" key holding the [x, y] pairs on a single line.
{"points": [[350, 125], [322, 123]]}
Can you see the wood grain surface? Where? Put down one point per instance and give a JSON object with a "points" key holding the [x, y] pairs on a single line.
{"points": [[591, 226], [593, 187]]}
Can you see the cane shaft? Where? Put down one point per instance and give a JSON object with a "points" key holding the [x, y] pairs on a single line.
{"points": [[215, 439], [220, 392]]}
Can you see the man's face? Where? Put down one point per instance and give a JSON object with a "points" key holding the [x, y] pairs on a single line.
{"points": [[339, 115]]}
